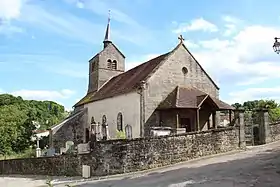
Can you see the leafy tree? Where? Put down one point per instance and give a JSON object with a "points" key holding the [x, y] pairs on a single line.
{"points": [[16, 121], [271, 105]]}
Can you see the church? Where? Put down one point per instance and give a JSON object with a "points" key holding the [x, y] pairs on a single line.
{"points": [[172, 90]]}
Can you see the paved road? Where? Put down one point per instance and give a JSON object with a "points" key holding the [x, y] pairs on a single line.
{"points": [[258, 167]]}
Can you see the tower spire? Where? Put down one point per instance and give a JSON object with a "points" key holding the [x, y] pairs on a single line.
{"points": [[107, 33]]}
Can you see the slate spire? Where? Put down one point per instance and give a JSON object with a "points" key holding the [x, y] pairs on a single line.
{"points": [[107, 33]]}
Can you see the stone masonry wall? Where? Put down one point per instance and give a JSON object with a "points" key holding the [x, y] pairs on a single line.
{"points": [[121, 156], [72, 130], [169, 75], [275, 131]]}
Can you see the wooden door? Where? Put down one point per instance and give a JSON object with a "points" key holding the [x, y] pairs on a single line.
{"points": [[186, 123]]}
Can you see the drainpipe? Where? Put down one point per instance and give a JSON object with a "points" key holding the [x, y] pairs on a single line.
{"points": [[141, 91]]}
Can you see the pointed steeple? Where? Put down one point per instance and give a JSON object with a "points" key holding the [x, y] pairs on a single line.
{"points": [[107, 33]]}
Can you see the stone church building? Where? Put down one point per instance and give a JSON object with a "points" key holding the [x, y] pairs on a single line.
{"points": [[171, 90]]}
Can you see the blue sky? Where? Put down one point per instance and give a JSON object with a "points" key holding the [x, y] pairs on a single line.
{"points": [[45, 45]]}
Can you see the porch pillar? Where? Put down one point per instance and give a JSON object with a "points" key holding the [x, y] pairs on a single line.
{"points": [[217, 118], [177, 121], [197, 120], [158, 118], [214, 120]]}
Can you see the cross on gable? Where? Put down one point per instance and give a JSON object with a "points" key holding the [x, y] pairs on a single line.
{"points": [[181, 38]]}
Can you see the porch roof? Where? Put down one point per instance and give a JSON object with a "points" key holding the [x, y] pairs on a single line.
{"points": [[191, 98]]}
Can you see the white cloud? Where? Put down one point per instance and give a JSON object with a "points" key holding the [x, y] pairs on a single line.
{"points": [[255, 94], [199, 24], [44, 94], [190, 44], [231, 25], [1, 91], [10, 9], [139, 60], [246, 58], [7, 29], [215, 44]]}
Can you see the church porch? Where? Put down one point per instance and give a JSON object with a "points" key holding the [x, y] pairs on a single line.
{"points": [[188, 109]]}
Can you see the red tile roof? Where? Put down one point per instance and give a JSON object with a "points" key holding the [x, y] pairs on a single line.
{"points": [[190, 97]]}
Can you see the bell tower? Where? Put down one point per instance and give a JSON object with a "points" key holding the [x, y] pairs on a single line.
{"points": [[106, 64]]}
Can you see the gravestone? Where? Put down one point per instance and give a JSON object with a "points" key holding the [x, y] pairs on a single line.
{"points": [[69, 146], [50, 152], [128, 131]]}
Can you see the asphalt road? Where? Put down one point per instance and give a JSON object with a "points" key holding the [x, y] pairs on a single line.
{"points": [[258, 167]]}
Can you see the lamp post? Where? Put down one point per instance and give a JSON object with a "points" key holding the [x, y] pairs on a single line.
{"points": [[276, 45]]}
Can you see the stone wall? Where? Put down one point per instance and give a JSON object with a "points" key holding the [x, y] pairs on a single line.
{"points": [[120, 156], [71, 130], [275, 131], [169, 75]]}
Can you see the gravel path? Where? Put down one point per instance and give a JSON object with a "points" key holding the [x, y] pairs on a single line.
{"points": [[258, 167]]}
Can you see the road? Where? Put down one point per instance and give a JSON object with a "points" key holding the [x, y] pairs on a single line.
{"points": [[258, 167]]}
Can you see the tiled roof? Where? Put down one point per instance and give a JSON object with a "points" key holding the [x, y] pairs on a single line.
{"points": [[125, 82], [130, 80], [190, 97]]}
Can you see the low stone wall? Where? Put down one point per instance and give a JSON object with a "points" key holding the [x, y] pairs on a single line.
{"points": [[120, 156], [275, 131], [58, 165]]}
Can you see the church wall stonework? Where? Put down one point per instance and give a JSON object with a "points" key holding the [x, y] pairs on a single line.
{"points": [[122, 156], [169, 75], [98, 70], [104, 74], [127, 104]]}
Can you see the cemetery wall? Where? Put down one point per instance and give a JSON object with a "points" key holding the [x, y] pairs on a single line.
{"points": [[275, 131], [121, 156]]}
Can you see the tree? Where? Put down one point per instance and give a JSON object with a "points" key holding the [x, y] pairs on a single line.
{"points": [[16, 116]]}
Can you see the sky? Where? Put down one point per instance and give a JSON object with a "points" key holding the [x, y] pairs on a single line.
{"points": [[45, 45]]}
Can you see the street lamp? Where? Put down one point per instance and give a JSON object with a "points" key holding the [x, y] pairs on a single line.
{"points": [[276, 45]]}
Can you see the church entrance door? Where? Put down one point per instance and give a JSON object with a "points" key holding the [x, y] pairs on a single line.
{"points": [[186, 123]]}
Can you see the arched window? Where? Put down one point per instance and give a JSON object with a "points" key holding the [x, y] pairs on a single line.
{"points": [[114, 64], [109, 63], [104, 120], [120, 122]]}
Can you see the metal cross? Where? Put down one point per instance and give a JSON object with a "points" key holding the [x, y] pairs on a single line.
{"points": [[181, 38], [109, 16]]}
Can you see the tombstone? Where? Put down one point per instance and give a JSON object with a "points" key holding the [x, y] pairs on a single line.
{"points": [[69, 146], [104, 131], [107, 132], [128, 131], [50, 152]]}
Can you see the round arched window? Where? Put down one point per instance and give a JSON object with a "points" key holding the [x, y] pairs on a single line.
{"points": [[185, 70], [120, 122]]}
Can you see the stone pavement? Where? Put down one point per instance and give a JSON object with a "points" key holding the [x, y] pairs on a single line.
{"points": [[258, 166]]}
